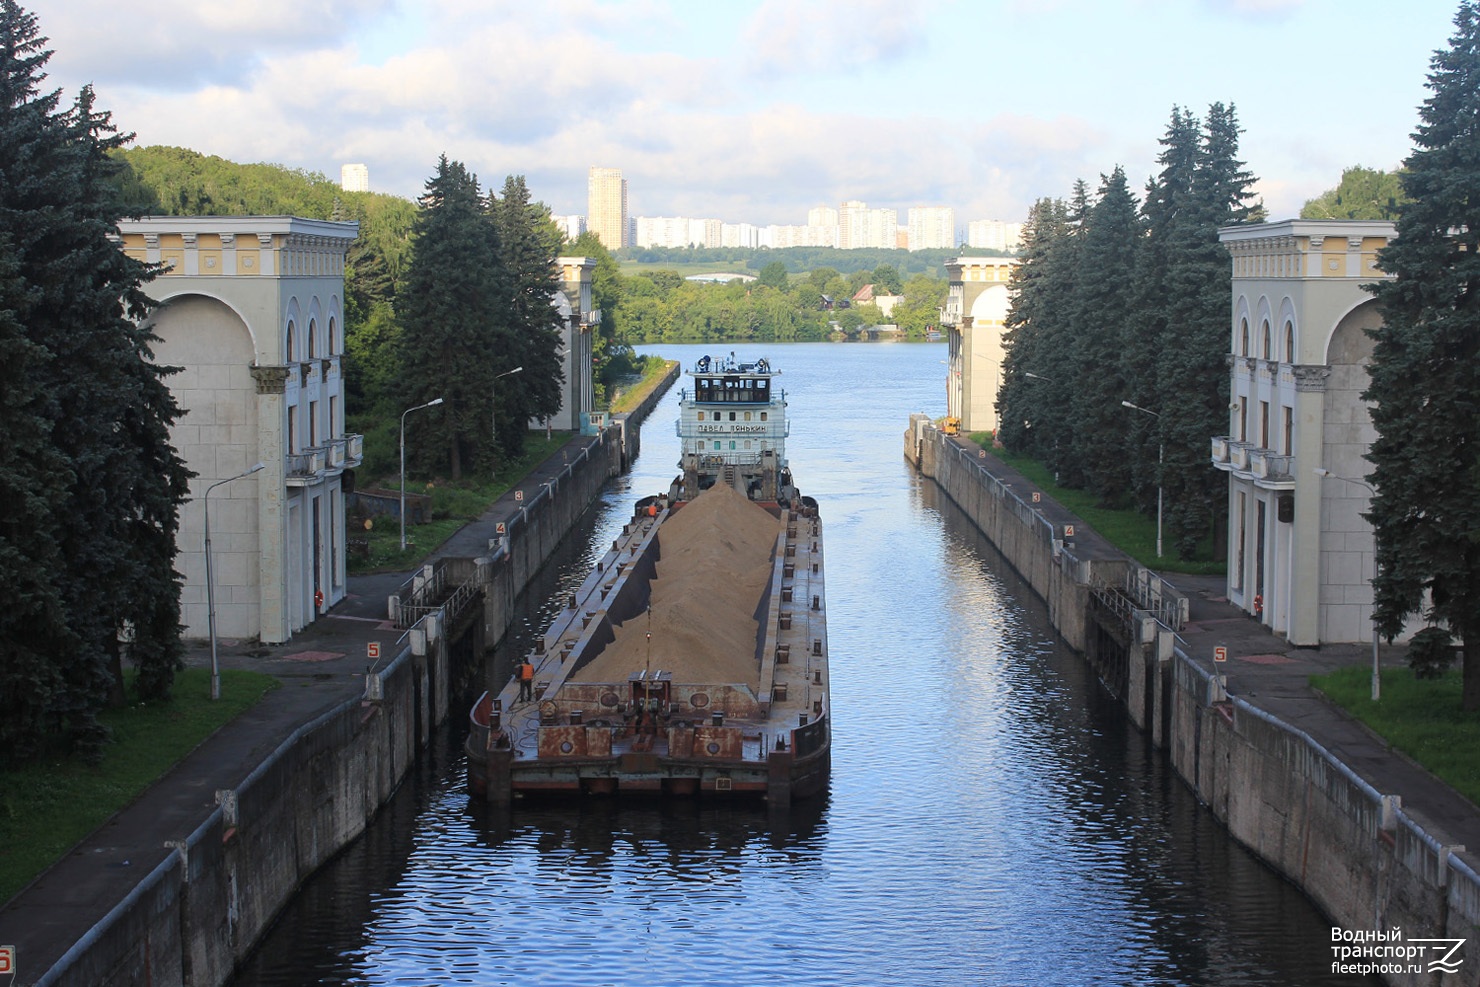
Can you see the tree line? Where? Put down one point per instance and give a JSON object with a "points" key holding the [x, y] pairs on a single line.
{"points": [[1124, 300], [800, 260], [662, 306]]}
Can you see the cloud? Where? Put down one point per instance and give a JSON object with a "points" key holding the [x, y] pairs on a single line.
{"points": [[790, 38], [748, 113], [178, 45]]}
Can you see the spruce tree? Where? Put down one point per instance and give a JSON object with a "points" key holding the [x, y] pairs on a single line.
{"points": [[1029, 395], [1108, 315], [1059, 337], [94, 484], [528, 243], [451, 309], [1192, 374], [1425, 371], [1170, 227]]}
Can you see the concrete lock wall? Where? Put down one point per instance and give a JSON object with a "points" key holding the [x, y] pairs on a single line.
{"points": [[1019, 532], [203, 907], [1368, 863]]}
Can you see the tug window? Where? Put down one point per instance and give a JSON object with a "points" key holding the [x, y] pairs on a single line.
{"points": [[747, 416], [732, 416], [701, 416]]}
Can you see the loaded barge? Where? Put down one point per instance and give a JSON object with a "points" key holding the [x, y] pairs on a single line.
{"points": [[693, 660]]}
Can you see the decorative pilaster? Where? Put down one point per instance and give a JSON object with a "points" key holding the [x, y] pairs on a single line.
{"points": [[272, 490]]}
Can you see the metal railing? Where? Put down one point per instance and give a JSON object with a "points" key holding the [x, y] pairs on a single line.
{"points": [[427, 591], [1157, 597]]}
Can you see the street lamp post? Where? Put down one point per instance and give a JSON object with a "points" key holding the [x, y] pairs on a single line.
{"points": [[434, 402], [493, 434], [1160, 455], [1376, 674], [210, 582]]}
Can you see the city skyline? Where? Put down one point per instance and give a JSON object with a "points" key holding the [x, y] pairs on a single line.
{"points": [[758, 110], [851, 226]]}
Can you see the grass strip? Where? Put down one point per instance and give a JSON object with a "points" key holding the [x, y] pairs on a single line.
{"points": [[1126, 529], [453, 505], [628, 397], [49, 805], [1421, 718]]}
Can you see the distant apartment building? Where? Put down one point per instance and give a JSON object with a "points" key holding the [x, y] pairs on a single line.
{"points": [[676, 231], [883, 228], [570, 226], [822, 216], [993, 234], [931, 228], [354, 178], [606, 207], [661, 231], [802, 236], [860, 226], [852, 224], [740, 235]]}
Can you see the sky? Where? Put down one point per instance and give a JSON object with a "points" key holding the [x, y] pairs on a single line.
{"points": [[757, 110]]}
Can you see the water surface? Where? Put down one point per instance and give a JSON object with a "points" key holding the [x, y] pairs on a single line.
{"points": [[994, 818]]}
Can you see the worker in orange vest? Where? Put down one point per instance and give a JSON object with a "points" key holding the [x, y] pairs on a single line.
{"points": [[526, 680]]}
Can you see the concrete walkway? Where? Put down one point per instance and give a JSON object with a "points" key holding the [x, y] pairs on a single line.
{"points": [[322, 667], [1274, 675]]}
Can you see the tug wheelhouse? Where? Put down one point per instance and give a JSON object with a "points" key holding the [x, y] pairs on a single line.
{"points": [[732, 428]]}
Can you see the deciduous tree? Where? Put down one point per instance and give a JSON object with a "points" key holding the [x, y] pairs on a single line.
{"points": [[1364, 193]]}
